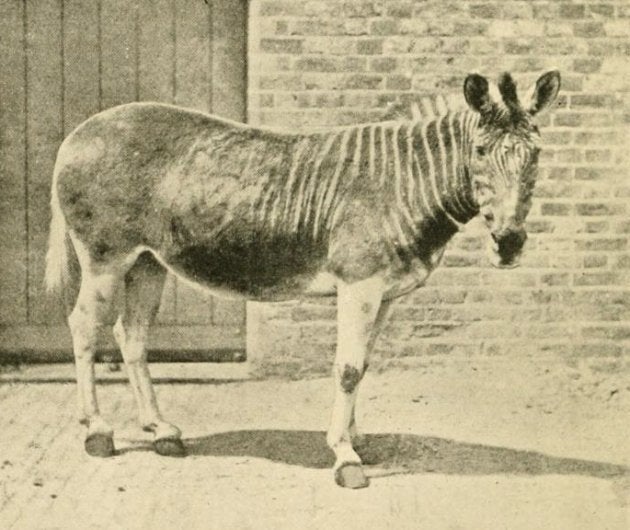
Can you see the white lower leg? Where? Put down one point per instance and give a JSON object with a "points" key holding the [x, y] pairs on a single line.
{"points": [[84, 336], [340, 433], [132, 345], [357, 306]]}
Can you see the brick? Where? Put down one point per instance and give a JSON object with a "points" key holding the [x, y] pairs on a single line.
{"points": [[557, 28], [608, 48], [276, 8], [316, 27], [528, 64], [589, 29], [598, 156], [599, 137], [553, 189], [438, 314], [599, 209], [596, 227], [587, 66], [517, 10], [362, 9], [411, 313], [559, 172], [399, 9], [591, 100], [590, 119], [328, 46], [353, 64], [598, 349], [518, 47], [356, 27], [595, 260], [602, 244], [370, 47], [539, 227], [485, 10], [362, 81], [281, 45], [398, 82], [587, 173], [555, 209], [282, 27], [555, 279], [546, 10], [470, 28], [461, 260], [572, 10], [316, 64], [281, 81], [623, 262], [555, 137], [595, 278], [603, 10], [384, 64], [385, 27]]}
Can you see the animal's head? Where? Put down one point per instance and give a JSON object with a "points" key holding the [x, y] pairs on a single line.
{"points": [[504, 157]]}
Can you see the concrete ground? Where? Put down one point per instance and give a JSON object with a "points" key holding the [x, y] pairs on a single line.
{"points": [[469, 444]]}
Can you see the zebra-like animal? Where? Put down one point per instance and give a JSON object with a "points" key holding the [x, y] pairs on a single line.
{"points": [[363, 212]]}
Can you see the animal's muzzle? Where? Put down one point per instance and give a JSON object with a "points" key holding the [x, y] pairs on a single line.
{"points": [[507, 247]]}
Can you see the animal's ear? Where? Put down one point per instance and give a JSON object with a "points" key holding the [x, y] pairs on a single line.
{"points": [[543, 93], [476, 92]]}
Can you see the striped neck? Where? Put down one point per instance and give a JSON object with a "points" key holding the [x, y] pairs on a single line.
{"points": [[427, 175]]}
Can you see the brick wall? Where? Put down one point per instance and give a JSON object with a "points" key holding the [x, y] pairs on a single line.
{"points": [[335, 62]]}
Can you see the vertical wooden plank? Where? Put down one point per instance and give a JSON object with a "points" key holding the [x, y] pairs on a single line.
{"points": [[44, 118], [229, 51], [156, 82], [13, 286], [119, 52], [156, 50], [81, 61], [229, 77], [192, 60], [192, 89]]}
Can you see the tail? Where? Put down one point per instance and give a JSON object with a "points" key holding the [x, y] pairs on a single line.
{"points": [[62, 268]]}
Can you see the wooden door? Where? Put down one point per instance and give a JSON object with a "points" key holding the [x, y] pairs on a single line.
{"points": [[62, 61]]}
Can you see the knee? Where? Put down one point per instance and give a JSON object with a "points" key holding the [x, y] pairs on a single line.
{"points": [[83, 329], [350, 377]]}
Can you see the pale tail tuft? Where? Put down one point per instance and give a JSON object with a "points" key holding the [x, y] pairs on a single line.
{"points": [[57, 255]]}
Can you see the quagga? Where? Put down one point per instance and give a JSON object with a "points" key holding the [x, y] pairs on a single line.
{"points": [[363, 212]]}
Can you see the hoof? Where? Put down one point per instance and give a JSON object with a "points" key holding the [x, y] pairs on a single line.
{"points": [[98, 444], [169, 447], [351, 476]]}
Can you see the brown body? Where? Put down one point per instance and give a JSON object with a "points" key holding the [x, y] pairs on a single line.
{"points": [[362, 211], [195, 191]]}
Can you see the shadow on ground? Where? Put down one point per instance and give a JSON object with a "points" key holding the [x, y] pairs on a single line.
{"points": [[407, 453]]}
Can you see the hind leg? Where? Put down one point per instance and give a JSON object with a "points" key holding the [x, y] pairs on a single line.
{"points": [[93, 308], [143, 289]]}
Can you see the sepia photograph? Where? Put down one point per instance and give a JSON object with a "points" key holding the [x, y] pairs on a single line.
{"points": [[316, 264]]}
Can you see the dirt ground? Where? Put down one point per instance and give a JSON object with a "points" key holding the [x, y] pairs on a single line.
{"points": [[476, 444]]}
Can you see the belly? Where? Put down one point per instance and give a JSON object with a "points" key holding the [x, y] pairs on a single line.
{"points": [[258, 268]]}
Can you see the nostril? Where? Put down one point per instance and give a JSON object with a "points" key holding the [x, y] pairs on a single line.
{"points": [[495, 237], [489, 217]]}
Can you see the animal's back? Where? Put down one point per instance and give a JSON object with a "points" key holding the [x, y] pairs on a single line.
{"points": [[186, 185]]}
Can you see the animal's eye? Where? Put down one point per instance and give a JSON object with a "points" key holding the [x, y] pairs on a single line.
{"points": [[481, 150]]}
